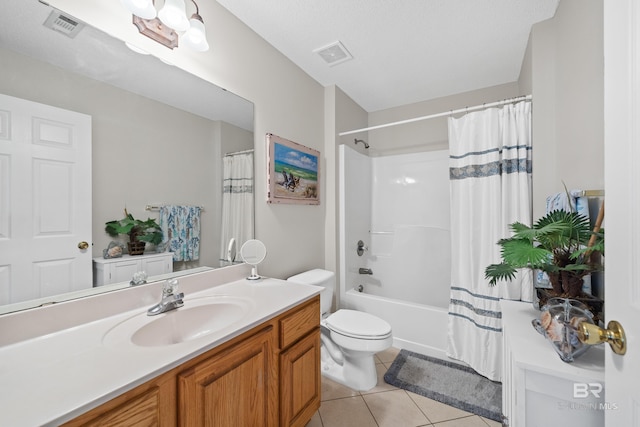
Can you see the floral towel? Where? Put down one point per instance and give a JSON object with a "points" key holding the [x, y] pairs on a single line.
{"points": [[181, 230]]}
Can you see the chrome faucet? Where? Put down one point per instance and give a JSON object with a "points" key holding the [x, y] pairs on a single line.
{"points": [[365, 271], [170, 300]]}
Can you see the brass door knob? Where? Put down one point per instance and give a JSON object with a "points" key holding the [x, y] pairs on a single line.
{"points": [[83, 245], [614, 334]]}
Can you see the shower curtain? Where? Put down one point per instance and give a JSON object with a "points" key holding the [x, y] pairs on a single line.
{"points": [[490, 184], [237, 203]]}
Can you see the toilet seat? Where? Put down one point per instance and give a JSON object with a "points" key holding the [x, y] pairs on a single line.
{"points": [[358, 324]]}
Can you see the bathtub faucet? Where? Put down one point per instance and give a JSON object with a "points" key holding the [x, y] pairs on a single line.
{"points": [[365, 271]]}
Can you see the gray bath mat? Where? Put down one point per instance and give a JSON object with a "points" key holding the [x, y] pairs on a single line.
{"points": [[446, 382]]}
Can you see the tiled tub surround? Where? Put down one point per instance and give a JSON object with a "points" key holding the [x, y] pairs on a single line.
{"points": [[54, 364]]}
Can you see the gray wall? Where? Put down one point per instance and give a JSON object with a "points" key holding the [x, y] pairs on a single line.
{"points": [[564, 67]]}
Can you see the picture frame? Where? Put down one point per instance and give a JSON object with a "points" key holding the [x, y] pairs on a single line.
{"points": [[293, 172]]}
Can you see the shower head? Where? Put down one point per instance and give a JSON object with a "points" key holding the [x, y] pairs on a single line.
{"points": [[363, 143]]}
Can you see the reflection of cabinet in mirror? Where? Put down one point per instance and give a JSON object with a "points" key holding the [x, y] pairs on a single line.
{"points": [[116, 270]]}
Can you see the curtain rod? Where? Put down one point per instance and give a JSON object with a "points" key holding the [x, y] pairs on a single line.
{"points": [[445, 113], [239, 152], [157, 207]]}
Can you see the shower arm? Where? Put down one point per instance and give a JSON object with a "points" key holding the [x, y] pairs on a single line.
{"points": [[355, 141]]}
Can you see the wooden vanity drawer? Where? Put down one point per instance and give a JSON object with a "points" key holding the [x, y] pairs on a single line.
{"points": [[295, 325]]}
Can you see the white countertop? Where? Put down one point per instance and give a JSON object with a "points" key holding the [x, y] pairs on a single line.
{"points": [[50, 378], [531, 350]]}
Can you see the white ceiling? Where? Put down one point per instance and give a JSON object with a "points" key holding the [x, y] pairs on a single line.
{"points": [[404, 51]]}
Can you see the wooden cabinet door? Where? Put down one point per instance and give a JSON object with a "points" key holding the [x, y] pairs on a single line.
{"points": [[235, 387], [300, 381], [151, 404]]}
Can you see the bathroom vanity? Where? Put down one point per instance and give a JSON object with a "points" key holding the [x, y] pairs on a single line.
{"points": [[262, 368], [539, 389]]}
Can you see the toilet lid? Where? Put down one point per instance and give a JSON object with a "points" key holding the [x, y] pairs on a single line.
{"points": [[358, 324]]}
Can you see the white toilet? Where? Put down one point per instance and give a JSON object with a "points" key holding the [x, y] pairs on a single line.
{"points": [[350, 338]]}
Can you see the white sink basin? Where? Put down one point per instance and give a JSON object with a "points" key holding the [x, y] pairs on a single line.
{"points": [[199, 317]]}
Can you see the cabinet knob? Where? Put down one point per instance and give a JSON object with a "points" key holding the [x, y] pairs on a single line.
{"points": [[83, 245]]}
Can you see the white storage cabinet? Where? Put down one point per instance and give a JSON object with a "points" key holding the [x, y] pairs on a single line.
{"points": [[539, 389], [115, 270]]}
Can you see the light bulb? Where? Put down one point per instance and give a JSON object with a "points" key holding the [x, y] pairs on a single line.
{"points": [[195, 37], [141, 8], [173, 15]]}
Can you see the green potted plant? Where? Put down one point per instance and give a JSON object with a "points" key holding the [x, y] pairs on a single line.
{"points": [[561, 244], [139, 232]]}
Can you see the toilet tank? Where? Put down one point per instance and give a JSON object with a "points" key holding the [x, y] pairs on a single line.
{"points": [[319, 277]]}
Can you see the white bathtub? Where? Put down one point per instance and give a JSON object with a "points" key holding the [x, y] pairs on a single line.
{"points": [[415, 327]]}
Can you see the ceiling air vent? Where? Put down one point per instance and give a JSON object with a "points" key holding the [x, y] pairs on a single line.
{"points": [[334, 53], [57, 21]]}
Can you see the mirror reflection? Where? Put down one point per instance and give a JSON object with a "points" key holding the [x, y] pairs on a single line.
{"points": [[159, 140]]}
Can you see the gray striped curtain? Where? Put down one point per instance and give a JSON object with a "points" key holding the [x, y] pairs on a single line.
{"points": [[490, 182]]}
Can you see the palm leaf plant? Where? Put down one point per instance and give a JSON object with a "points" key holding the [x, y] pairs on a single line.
{"points": [[561, 244], [138, 231]]}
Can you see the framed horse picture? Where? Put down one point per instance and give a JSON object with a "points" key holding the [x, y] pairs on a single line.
{"points": [[293, 172]]}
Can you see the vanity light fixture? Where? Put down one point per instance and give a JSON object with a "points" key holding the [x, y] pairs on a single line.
{"points": [[163, 26], [195, 37]]}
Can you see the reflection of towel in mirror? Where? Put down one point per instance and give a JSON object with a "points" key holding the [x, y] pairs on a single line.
{"points": [[181, 230], [577, 203], [559, 202]]}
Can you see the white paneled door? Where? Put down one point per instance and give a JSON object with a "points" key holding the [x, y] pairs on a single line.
{"points": [[622, 192], [45, 200]]}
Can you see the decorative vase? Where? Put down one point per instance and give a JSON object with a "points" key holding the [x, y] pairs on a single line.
{"points": [[593, 303], [559, 322], [136, 248]]}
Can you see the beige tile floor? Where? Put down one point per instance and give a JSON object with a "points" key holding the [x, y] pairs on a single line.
{"points": [[386, 405]]}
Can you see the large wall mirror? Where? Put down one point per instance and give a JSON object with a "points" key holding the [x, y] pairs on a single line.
{"points": [[158, 137]]}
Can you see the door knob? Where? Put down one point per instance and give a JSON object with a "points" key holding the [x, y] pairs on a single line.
{"points": [[614, 334], [83, 245]]}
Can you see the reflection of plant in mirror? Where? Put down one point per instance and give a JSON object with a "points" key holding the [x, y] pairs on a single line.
{"points": [[137, 230]]}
